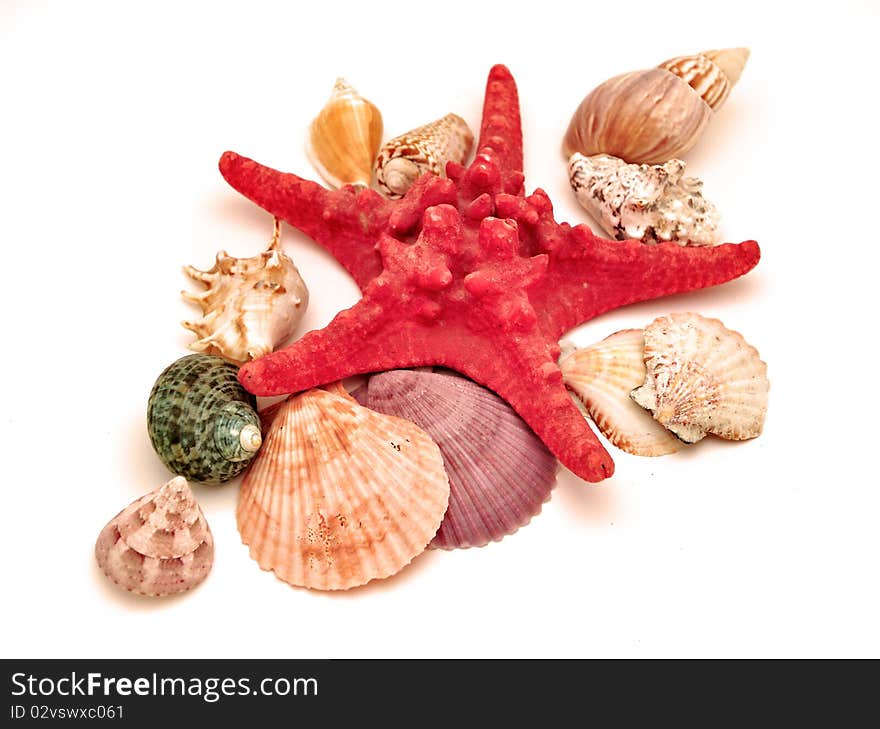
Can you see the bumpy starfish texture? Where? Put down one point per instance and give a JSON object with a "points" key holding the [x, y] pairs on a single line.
{"points": [[468, 273]]}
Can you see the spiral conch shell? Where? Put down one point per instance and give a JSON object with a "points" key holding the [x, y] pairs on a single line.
{"points": [[702, 378], [649, 117], [340, 495], [250, 305], [428, 148], [344, 138], [653, 203], [160, 544]]}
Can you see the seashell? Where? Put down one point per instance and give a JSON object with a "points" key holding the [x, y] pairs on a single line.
{"points": [[500, 473], [344, 138], [712, 74], [202, 423], [160, 544], [649, 117], [428, 148], [602, 376], [250, 305], [653, 203], [340, 495], [702, 378]]}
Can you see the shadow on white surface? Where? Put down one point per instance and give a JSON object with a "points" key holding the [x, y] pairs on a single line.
{"points": [[594, 504]]}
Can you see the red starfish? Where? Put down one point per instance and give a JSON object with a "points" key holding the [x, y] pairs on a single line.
{"points": [[470, 274]]}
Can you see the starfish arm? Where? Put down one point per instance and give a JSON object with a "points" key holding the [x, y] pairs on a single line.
{"points": [[501, 128], [532, 384], [590, 275], [345, 222], [364, 338]]}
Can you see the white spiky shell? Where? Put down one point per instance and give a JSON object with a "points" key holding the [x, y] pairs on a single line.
{"points": [[653, 203], [702, 378], [249, 306], [602, 376], [344, 138], [402, 160], [160, 544], [340, 495]]}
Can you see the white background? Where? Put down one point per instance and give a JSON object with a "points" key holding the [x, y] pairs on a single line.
{"points": [[112, 119]]}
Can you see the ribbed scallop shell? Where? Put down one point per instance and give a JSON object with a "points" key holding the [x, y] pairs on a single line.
{"points": [[602, 376], [702, 378], [344, 138], [428, 148], [202, 423], [159, 544], [340, 495], [500, 473], [250, 305]]}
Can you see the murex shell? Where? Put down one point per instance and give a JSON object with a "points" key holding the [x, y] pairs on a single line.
{"points": [[602, 376], [500, 473], [344, 138], [202, 423], [702, 378], [649, 117], [250, 305], [160, 544], [402, 160], [340, 495], [653, 203]]}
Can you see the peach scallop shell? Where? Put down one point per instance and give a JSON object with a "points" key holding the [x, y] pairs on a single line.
{"points": [[158, 545], [602, 376], [702, 378], [340, 495], [500, 473]]}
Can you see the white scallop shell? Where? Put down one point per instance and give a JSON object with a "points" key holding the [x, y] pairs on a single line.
{"points": [[340, 495], [159, 544], [250, 306], [702, 378], [602, 376]]}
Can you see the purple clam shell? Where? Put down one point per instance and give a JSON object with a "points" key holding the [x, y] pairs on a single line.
{"points": [[500, 473]]}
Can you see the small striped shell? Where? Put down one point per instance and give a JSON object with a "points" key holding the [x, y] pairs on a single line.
{"points": [[340, 495], [702, 378], [159, 544], [404, 159], [712, 74], [202, 423], [602, 376], [500, 473]]}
